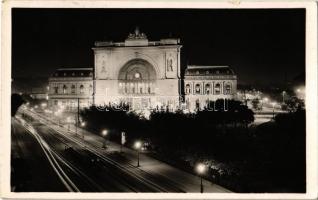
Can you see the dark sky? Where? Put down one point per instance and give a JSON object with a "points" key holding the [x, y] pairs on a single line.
{"points": [[262, 46]]}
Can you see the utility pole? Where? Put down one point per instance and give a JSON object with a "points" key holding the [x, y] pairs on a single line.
{"points": [[77, 116]]}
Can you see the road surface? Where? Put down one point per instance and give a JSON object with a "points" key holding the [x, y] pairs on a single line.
{"points": [[94, 169]]}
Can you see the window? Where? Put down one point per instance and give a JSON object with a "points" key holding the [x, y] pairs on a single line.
{"points": [[197, 104], [228, 88], [149, 90], [82, 89], [90, 89], [73, 89], [197, 89], [217, 88], [140, 90], [64, 89], [188, 89], [56, 89], [207, 89]]}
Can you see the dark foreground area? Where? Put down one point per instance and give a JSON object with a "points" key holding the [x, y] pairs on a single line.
{"points": [[266, 158]]}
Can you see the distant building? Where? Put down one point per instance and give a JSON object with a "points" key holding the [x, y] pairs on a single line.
{"points": [[70, 86], [208, 83]]}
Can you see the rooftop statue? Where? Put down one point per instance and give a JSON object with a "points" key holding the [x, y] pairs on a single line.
{"points": [[137, 35]]}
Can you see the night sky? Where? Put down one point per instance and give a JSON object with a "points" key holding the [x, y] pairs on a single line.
{"points": [[262, 46]]}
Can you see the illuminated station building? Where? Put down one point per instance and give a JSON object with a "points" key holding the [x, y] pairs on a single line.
{"points": [[71, 87], [208, 83], [142, 74]]}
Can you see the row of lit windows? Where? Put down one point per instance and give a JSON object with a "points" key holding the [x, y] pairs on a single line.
{"points": [[136, 88], [72, 90], [208, 89]]}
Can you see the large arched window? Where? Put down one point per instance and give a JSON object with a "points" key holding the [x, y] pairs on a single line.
{"points": [[228, 88], [197, 88], [81, 89], [73, 89], [207, 88], [138, 76], [64, 89], [217, 88], [188, 89]]}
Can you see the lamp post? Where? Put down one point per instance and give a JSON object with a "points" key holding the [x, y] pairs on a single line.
{"points": [[201, 168], [68, 120], [137, 147], [83, 124], [104, 134], [284, 93], [273, 104]]}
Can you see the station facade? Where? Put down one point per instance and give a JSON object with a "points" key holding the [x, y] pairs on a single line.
{"points": [[144, 75]]}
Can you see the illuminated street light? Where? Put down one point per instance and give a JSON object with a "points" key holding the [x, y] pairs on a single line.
{"points": [[137, 146], [83, 124], [104, 134], [201, 169]]}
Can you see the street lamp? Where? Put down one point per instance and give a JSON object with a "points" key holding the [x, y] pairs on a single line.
{"points": [[104, 134], [284, 93], [201, 168], [83, 124], [138, 145], [68, 120], [273, 104]]}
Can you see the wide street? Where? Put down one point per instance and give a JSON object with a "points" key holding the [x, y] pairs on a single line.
{"points": [[60, 160]]}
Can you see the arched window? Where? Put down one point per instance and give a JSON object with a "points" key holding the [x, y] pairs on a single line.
{"points": [[73, 89], [207, 88], [228, 89], [82, 89], [149, 90], [188, 89], [64, 89], [197, 88], [140, 89], [217, 88]]}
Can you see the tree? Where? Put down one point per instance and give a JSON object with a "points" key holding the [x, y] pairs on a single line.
{"points": [[256, 103], [16, 102]]}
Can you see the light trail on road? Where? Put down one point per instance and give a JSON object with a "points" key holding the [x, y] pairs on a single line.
{"points": [[141, 180]]}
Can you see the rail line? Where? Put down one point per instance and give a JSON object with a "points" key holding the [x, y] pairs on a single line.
{"points": [[55, 165], [130, 169]]}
